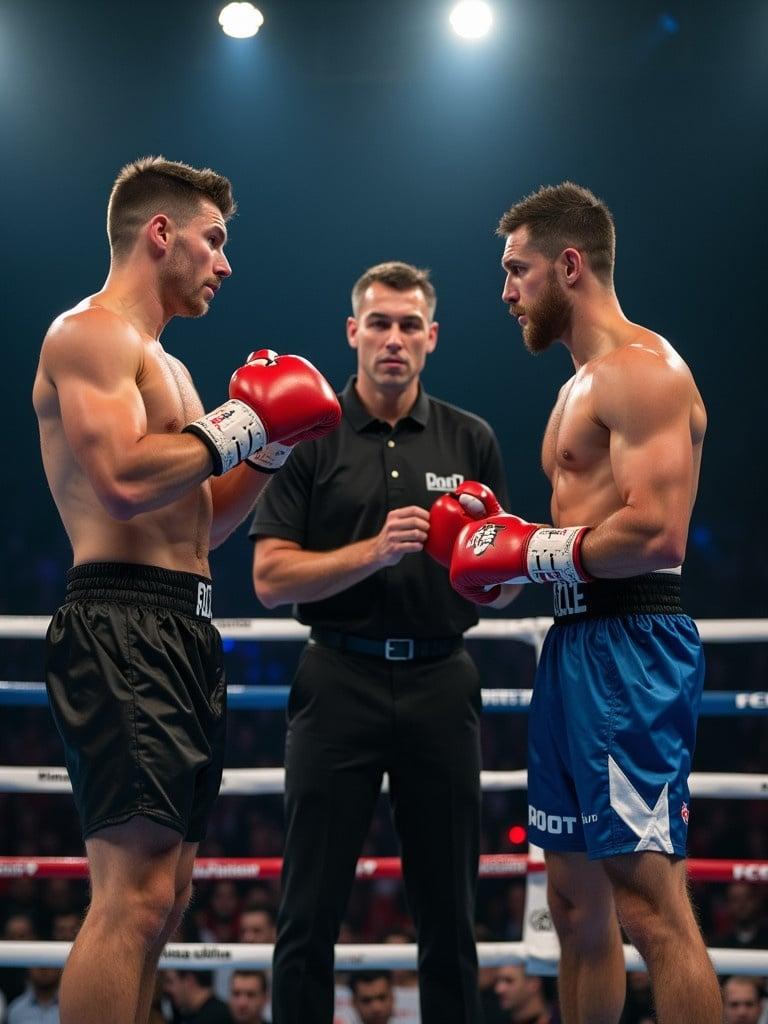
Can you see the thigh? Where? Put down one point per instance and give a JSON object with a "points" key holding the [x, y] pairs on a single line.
{"points": [[138, 856]]}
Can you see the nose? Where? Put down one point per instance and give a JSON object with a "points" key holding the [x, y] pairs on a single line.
{"points": [[394, 338], [510, 293], [223, 268]]}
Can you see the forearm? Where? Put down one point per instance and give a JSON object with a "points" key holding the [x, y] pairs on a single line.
{"points": [[234, 495], [294, 575], [629, 543], [155, 471]]}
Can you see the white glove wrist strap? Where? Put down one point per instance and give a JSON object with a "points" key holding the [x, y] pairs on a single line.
{"points": [[552, 555], [231, 433], [271, 458]]}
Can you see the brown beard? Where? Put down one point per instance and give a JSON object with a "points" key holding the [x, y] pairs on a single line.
{"points": [[548, 319]]}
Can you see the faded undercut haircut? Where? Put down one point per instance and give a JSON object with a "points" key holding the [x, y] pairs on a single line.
{"points": [[558, 216], [153, 185], [402, 277]]}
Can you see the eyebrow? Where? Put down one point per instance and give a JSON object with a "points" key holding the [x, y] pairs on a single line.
{"points": [[219, 230]]}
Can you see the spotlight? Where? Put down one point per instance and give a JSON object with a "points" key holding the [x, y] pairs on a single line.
{"points": [[241, 21], [471, 19]]}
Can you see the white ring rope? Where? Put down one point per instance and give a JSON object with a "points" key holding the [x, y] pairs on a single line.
{"points": [[350, 957], [266, 781], [530, 630]]}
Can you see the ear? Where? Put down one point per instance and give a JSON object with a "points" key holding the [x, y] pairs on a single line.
{"points": [[572, 265], [352, 331], [159, 231], [431, 345]]}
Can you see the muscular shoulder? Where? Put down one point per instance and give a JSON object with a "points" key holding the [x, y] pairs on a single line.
{"points": [[85, 340], [646, 376]]}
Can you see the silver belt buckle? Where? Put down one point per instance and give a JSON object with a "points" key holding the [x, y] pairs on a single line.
{"points": [[390, 651]]}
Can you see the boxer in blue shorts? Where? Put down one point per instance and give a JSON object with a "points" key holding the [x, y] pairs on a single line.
{"points": [[617, 693]]}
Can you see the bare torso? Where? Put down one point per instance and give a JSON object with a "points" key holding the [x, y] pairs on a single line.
{"points": [[576, 452], [175, 536]]}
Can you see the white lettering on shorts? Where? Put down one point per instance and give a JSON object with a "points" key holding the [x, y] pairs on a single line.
{"points": [[443, 483], [568, 599], [554, 824], [204, 599]]}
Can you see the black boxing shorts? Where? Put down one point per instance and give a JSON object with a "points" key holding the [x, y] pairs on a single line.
{"points": [[135, 679]]}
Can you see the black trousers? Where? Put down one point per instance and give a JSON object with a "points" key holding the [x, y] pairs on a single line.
{"points": [[351, 718]]}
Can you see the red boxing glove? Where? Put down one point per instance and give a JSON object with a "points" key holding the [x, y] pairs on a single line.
{"points": [[275, 402], [451, 512], [506, 549], [294, 400]]}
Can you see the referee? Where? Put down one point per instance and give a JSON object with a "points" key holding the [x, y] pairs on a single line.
{"points": [[384, 684]]}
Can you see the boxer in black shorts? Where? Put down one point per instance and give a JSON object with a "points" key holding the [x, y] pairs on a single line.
{"points": [[146, 483], [143, 716]]}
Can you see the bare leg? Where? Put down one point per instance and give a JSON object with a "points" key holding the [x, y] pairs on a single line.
{"points": [[133, 871], [183, 888], [592, 978], [654, 908]]}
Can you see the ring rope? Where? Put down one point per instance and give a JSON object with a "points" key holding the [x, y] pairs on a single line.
{"points": [[351, 957], [515, 701], [502, 865], [528, 630], [270, 781]]}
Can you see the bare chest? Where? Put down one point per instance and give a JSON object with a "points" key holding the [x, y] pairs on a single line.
{"points": [[170, 398], [574, 440]]}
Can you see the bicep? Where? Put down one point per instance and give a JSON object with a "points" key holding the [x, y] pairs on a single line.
{"points": [[651, 448], [101, 407]]}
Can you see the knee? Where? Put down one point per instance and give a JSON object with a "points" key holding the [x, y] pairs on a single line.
{"points": [[646, 927], [145, 914]]}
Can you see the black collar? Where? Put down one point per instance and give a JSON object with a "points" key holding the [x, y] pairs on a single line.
{"points": [[360, 418]]}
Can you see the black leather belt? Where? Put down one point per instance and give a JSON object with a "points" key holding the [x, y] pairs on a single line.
{"points": [[393, 649]]}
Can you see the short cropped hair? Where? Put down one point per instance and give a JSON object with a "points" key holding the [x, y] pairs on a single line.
{"points": [[402, 277], [153, 185], [567, 214], [260, 975], [365, 977]]}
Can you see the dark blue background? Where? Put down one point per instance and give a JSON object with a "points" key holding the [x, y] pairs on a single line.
{"points": [[357, 132]]}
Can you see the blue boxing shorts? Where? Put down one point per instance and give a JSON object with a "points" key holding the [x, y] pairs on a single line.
{"points": [[612, 722]]}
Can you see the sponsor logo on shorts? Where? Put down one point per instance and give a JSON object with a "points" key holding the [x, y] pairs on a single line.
{"points": [[443, 483], [568, 599], [588, 819], [204, 600], [484, 538], [684, 812], [554, 824]]}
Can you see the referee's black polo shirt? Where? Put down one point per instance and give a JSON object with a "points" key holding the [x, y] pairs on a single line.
{"points": [[339, 489]]}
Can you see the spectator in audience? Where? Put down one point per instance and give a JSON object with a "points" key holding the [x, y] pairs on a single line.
{"points": [[373, 996], [248, 997], [39, 1004], [742, 1000], [18, 927], [405, 985], [191, 993], [638, 1007], [744, 903], [486, 980], [521, 997], [220, 920]]}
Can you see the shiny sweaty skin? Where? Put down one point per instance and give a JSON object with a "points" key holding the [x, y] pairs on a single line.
{"points": [[160, 399], [626, 433]]}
